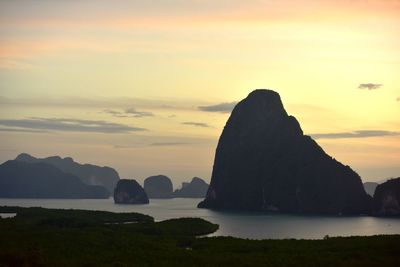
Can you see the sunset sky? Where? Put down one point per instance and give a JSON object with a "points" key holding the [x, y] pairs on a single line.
{"points": [[147, 86]]}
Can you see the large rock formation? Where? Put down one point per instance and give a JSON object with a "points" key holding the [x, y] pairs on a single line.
{"points": [[387, 198], [264, 162], [370, 187], [88, 173], [158, 186], [39, 180], [197, 188], [129, 192]]}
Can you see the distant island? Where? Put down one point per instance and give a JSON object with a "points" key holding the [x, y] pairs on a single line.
{"points": [[51, 181], [197, 188], [264, 162], [20, 179], [387, 198], [89, 174], [158, 186], [128, 191]]}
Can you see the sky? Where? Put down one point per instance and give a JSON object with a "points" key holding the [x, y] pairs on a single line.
{"points": [[147, 86]]}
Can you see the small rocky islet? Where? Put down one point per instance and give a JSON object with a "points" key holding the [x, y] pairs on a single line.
{"points": [[128, 191]]}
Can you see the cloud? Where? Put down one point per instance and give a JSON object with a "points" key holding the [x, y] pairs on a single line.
{"points": [[130, 112], [106, 104], [197, 124], [21, 130], [115, 113], [138, 114], [156, 144], [127, 146], [398, 99], [222, 107], [167, 144], [355, 134], [69, 125], [369, 86]]}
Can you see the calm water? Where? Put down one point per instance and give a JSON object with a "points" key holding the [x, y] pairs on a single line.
{"points": [[245, 225]]}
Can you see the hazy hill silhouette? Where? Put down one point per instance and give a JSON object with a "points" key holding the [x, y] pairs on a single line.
{"points": [[158, 186], [40, 180], [88, 173], [197, 188]]}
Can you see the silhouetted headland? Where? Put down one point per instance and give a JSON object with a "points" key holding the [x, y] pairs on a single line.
{"points": [[20, 179], [264, 162], [387, 198], [88, 173], [197, 188]]}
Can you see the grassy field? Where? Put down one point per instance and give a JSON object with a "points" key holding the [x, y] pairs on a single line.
{"points": [[47, 237]]}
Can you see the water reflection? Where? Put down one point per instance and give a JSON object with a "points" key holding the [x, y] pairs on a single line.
{"points": [[7, 215]]}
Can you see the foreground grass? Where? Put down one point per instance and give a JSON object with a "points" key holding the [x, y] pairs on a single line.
{"points": [[81, 238]]}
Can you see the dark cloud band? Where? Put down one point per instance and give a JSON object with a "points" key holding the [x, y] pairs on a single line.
{"points": [[355, 134], [69, 125], [222, 108], [369, 86], [130, 112], [138, 114], [197, 124], [167, 144]]}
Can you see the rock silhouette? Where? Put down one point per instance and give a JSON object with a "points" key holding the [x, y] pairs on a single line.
{"points": [[387, 198], [129, 192], [39, 180], [263, 162], [197, 188], [158, 186], [88, 173]]}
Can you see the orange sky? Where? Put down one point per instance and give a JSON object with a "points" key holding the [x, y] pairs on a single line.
{"points": [[88, 63]]}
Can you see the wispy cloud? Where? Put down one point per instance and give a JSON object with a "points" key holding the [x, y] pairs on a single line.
{"points": [[197, 124], [127, 146], [138, 114], [111, 105], [369, 86], [69, 125], [167, 144], [21, 130], [115, 113], [222, 107], [130, 112], [355, 134]]}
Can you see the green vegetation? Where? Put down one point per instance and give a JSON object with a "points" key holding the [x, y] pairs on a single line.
{"points": [[41, 216], [42, 237]]}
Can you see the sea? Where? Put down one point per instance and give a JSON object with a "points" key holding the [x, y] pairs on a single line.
{"points": [[236, 224]]}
